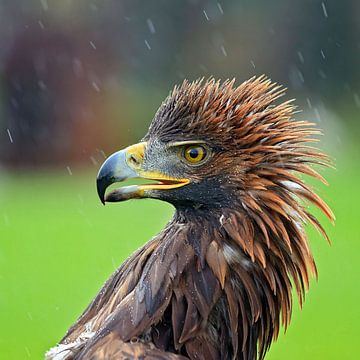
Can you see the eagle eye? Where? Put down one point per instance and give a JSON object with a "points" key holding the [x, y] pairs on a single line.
{"points": [[194, 154]]}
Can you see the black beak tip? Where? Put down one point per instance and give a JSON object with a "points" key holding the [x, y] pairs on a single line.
{"points": [[101, 184]]}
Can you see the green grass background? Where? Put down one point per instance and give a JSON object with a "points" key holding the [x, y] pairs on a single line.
{"points": [[58, 245]]}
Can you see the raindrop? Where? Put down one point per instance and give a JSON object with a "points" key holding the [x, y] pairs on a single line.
{"points": [[309, 103], [95, 86], [322, 74], [84, 217], [322, 53], [206, 15], [301, 76], [93, 160], [300, 56], [220, 8], [92, 45], [69, 170], [29, 315], [93, 7], [6, 219], [77, 67], [147, 44], [151, 26], [42, 85], [317, 114], [102, 152], [81, 199], [223, 50], [9, 134], [324, 9], [180, 74], [27, 351], [45, 5], [252, 63], [41, 24], [203, 67], [357, 99]]}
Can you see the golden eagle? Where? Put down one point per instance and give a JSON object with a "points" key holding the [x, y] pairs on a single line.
{"points": [[216, 282]]}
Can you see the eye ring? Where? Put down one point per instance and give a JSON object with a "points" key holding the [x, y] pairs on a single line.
{"points": [[194, 154]]}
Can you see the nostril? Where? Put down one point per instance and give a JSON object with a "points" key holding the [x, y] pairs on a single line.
{"points": [[133, 160]]}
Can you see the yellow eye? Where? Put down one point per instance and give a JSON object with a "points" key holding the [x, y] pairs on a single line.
{"points": [[194, 154]]}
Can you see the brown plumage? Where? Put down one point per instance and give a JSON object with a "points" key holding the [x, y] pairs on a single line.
{"points": [[216, 282]]}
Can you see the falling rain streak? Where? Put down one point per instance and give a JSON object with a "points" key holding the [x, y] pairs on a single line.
{"points": [[95, 86], [220, 8], [324, 9], [357, 100], [147, 44], [9, 134], [151, 26], [300, 56], [206, 15], [44, 5]]}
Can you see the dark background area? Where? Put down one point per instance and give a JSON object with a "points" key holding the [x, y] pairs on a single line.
{"points": [[78, 77]]}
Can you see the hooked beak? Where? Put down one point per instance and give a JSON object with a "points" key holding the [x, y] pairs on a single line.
{"points": [[128, 164]]}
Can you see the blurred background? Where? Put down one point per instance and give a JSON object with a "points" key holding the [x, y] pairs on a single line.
{"points": [[81, 79]]}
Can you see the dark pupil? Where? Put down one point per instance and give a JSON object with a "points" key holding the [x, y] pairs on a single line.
{"points": [[194, 153]]}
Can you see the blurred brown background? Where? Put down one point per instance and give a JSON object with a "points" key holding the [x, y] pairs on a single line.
{"points": [[82, 77]]}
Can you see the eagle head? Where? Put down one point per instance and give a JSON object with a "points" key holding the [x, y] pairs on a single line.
{"points": [[214, 145]]}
